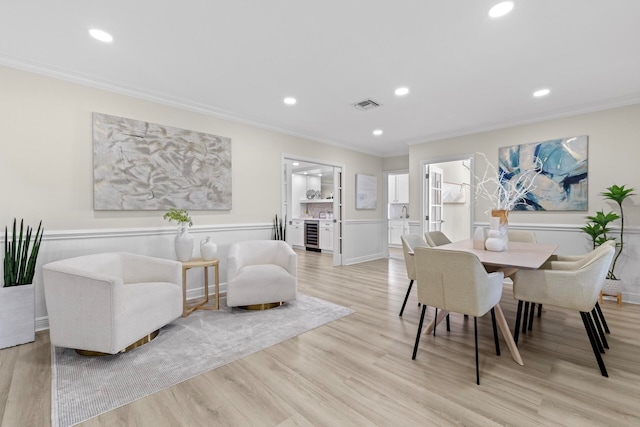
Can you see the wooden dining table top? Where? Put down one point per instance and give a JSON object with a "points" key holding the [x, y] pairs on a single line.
{"points": [[519, 255]]}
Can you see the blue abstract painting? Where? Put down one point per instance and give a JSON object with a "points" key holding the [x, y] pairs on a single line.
{"points": [[561, 184]]}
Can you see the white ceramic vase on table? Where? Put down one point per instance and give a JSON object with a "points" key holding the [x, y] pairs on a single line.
{"points": [[183, 243], [208, 249]]}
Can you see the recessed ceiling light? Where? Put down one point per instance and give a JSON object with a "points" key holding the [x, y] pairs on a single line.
{"points": [[541, 92], [377, 132], [290, 101], [101, 35], [295, 164], [402, 91], [501, 9], [319, 174], [304, 173]]}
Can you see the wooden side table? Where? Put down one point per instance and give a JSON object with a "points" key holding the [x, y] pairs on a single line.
{"points": [[187, 309]]}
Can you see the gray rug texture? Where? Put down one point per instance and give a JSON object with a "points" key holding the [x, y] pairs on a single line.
{"points": [[84, 387]]}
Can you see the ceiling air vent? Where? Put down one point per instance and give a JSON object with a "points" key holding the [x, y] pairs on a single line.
{"points": [[365, 105]]}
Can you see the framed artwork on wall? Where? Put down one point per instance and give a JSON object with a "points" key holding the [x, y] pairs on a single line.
{"points": [[145, 166], [561, 184], [366, 191]]}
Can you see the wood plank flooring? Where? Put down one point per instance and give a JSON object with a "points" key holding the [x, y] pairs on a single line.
{"points": [[358, 370]]}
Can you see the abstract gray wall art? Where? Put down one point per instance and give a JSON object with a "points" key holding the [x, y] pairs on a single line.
{"points": [[562, 182], [366, 191], [145, 166]]}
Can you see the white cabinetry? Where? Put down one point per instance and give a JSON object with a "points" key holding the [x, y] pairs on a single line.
{"points": [[296, 232], [399, 188], [326, 235], [397, 227]]}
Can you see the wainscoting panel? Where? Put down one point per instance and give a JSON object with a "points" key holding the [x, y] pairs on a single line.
{"points": [[363, 240]]}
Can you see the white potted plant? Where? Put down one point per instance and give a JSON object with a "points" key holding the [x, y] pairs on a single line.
{"points": [[17, 303], [598, 229], [183, 241]]}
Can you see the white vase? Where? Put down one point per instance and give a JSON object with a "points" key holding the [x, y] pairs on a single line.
{"points": [[494, 242], [208, 249], [183, 243], [502, 225]]}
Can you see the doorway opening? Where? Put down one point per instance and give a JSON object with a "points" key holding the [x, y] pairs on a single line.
{"points": [[312, 203], [398, 206], [447, 197]]}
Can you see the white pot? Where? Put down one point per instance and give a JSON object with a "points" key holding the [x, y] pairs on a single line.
{"points": [[17, 315], [208, 249], [612, 287], [183, 244]]}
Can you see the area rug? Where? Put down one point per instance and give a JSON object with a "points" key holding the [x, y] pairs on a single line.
{"points": [[84, 387]]}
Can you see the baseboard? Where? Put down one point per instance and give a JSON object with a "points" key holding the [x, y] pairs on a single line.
{"points": [[358, 260]]}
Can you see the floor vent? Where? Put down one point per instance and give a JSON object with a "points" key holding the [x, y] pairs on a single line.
{"points": [[366, 104]]}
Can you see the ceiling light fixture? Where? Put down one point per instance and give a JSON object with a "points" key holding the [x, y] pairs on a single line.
{"points": [[541, 92], [290, 101], [101, 35], [377, 132], [295, 164], [402, 91], [501, 9]]}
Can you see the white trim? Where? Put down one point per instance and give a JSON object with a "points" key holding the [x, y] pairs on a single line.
{"points": [[150, 231]]}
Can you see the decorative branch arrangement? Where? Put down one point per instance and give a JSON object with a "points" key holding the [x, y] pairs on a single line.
{"points": [[502, 191]]}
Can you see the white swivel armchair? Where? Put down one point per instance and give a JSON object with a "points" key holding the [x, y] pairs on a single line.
{"points": [[261, 274], [574, 287], [106, 302], [457, 281]]}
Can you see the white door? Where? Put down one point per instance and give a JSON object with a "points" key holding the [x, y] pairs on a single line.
{"points": [[433, 198], [338, 215]]}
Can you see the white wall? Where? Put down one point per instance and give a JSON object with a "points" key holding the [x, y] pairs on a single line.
{"points": [[614, 150], [46, 167]]}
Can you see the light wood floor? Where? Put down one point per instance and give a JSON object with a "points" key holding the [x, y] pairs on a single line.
{"points": [[358, 370]]}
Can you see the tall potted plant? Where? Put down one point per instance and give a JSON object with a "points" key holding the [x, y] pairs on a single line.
{"points": [[17, 304], [598, 229]]}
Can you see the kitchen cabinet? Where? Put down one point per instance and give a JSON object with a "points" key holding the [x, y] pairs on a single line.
{"points": [[397, 227], [326, 235], [295, 233], [399, 188]]}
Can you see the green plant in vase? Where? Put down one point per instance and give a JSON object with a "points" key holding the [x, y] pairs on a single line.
{"points": [[598, 226], [181, 216], [19, 255]]}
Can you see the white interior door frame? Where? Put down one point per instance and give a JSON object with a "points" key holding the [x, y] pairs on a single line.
{"points": [[423, 189], [338, 195]]}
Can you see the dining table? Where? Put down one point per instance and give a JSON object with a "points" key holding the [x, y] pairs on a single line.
{"points": [[519, 255]]}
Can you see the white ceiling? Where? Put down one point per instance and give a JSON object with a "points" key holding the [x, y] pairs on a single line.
{"points": [[238, 59]]}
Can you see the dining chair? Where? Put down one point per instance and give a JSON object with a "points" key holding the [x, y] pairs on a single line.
{"points": [[457, 281], [436, 238], [575, 288], [525, 236], [409, 242], [572, 262]]}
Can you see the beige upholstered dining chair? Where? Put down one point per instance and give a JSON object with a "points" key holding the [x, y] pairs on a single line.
{"points": [[525, 236], [409, 242], [457, 281], [575, 287], [436, 238], [522, 236]]}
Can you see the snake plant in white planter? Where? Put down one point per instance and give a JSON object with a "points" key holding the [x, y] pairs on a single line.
{"points": [[17, 311]]}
